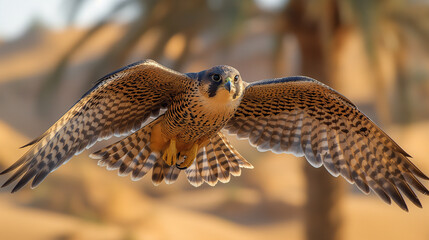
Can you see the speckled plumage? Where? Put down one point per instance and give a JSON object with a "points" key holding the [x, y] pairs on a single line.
{"points": [[289, 115]]}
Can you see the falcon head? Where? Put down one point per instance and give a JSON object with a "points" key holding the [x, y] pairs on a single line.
{"points": [[221, 83]]}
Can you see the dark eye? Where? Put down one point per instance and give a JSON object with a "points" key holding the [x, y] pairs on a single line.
{"points": [[236, 78], [216, 77]]}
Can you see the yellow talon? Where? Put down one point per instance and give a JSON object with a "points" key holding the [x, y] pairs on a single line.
{"points": [[170, 154], [190, 154]]}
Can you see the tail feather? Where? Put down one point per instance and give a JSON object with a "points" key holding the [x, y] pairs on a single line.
{"points": [[157, 173], [242, 162], [142, 169], [235, 169], [215, 162], [193, 172], [171, 173], [211, 176], [131, 154], [223, 166]]}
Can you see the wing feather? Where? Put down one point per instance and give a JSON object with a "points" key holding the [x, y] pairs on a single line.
{"points": [[118, 104], [302, 116]]}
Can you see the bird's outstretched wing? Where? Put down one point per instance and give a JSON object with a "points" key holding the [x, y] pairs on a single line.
{"points": [[302, 116], [118, 104]]}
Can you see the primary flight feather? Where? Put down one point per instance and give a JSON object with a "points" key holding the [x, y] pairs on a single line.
{"points": [[297, 115]]}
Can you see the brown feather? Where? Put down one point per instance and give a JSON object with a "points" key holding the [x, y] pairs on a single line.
{"points": [[302, 116]]}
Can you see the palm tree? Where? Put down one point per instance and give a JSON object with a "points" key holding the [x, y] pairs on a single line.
{"points": [[316, 34], [170, 18], [320, 27]]}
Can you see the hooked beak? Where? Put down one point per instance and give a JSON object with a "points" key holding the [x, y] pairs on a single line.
{"points": [[228, 84]]}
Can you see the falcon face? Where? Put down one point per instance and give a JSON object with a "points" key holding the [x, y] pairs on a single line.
{"points": [[297, 115], [222, 83]]}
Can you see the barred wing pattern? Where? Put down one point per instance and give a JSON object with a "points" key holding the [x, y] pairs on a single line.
{"points": [[302, 116], [118, 104], [215, 162]]}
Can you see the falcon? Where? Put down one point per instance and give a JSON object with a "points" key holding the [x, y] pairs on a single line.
{"points": [[176, 122]]}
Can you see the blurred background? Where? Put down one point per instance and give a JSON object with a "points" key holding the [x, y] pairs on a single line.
{"points": [[374, 52]]}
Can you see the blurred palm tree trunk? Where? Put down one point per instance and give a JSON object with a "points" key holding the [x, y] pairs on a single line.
{"points": [[316, 36], [404, 111]]}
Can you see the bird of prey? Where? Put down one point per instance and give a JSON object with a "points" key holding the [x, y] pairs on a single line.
{"points": [[175, 122]]}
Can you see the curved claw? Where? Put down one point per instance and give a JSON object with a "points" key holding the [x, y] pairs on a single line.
{"points": [[190, 154], [179, 167]]}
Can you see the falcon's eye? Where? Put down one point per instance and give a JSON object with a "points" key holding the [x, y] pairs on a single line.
{"points": [[216, 77], [236, 78]]}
